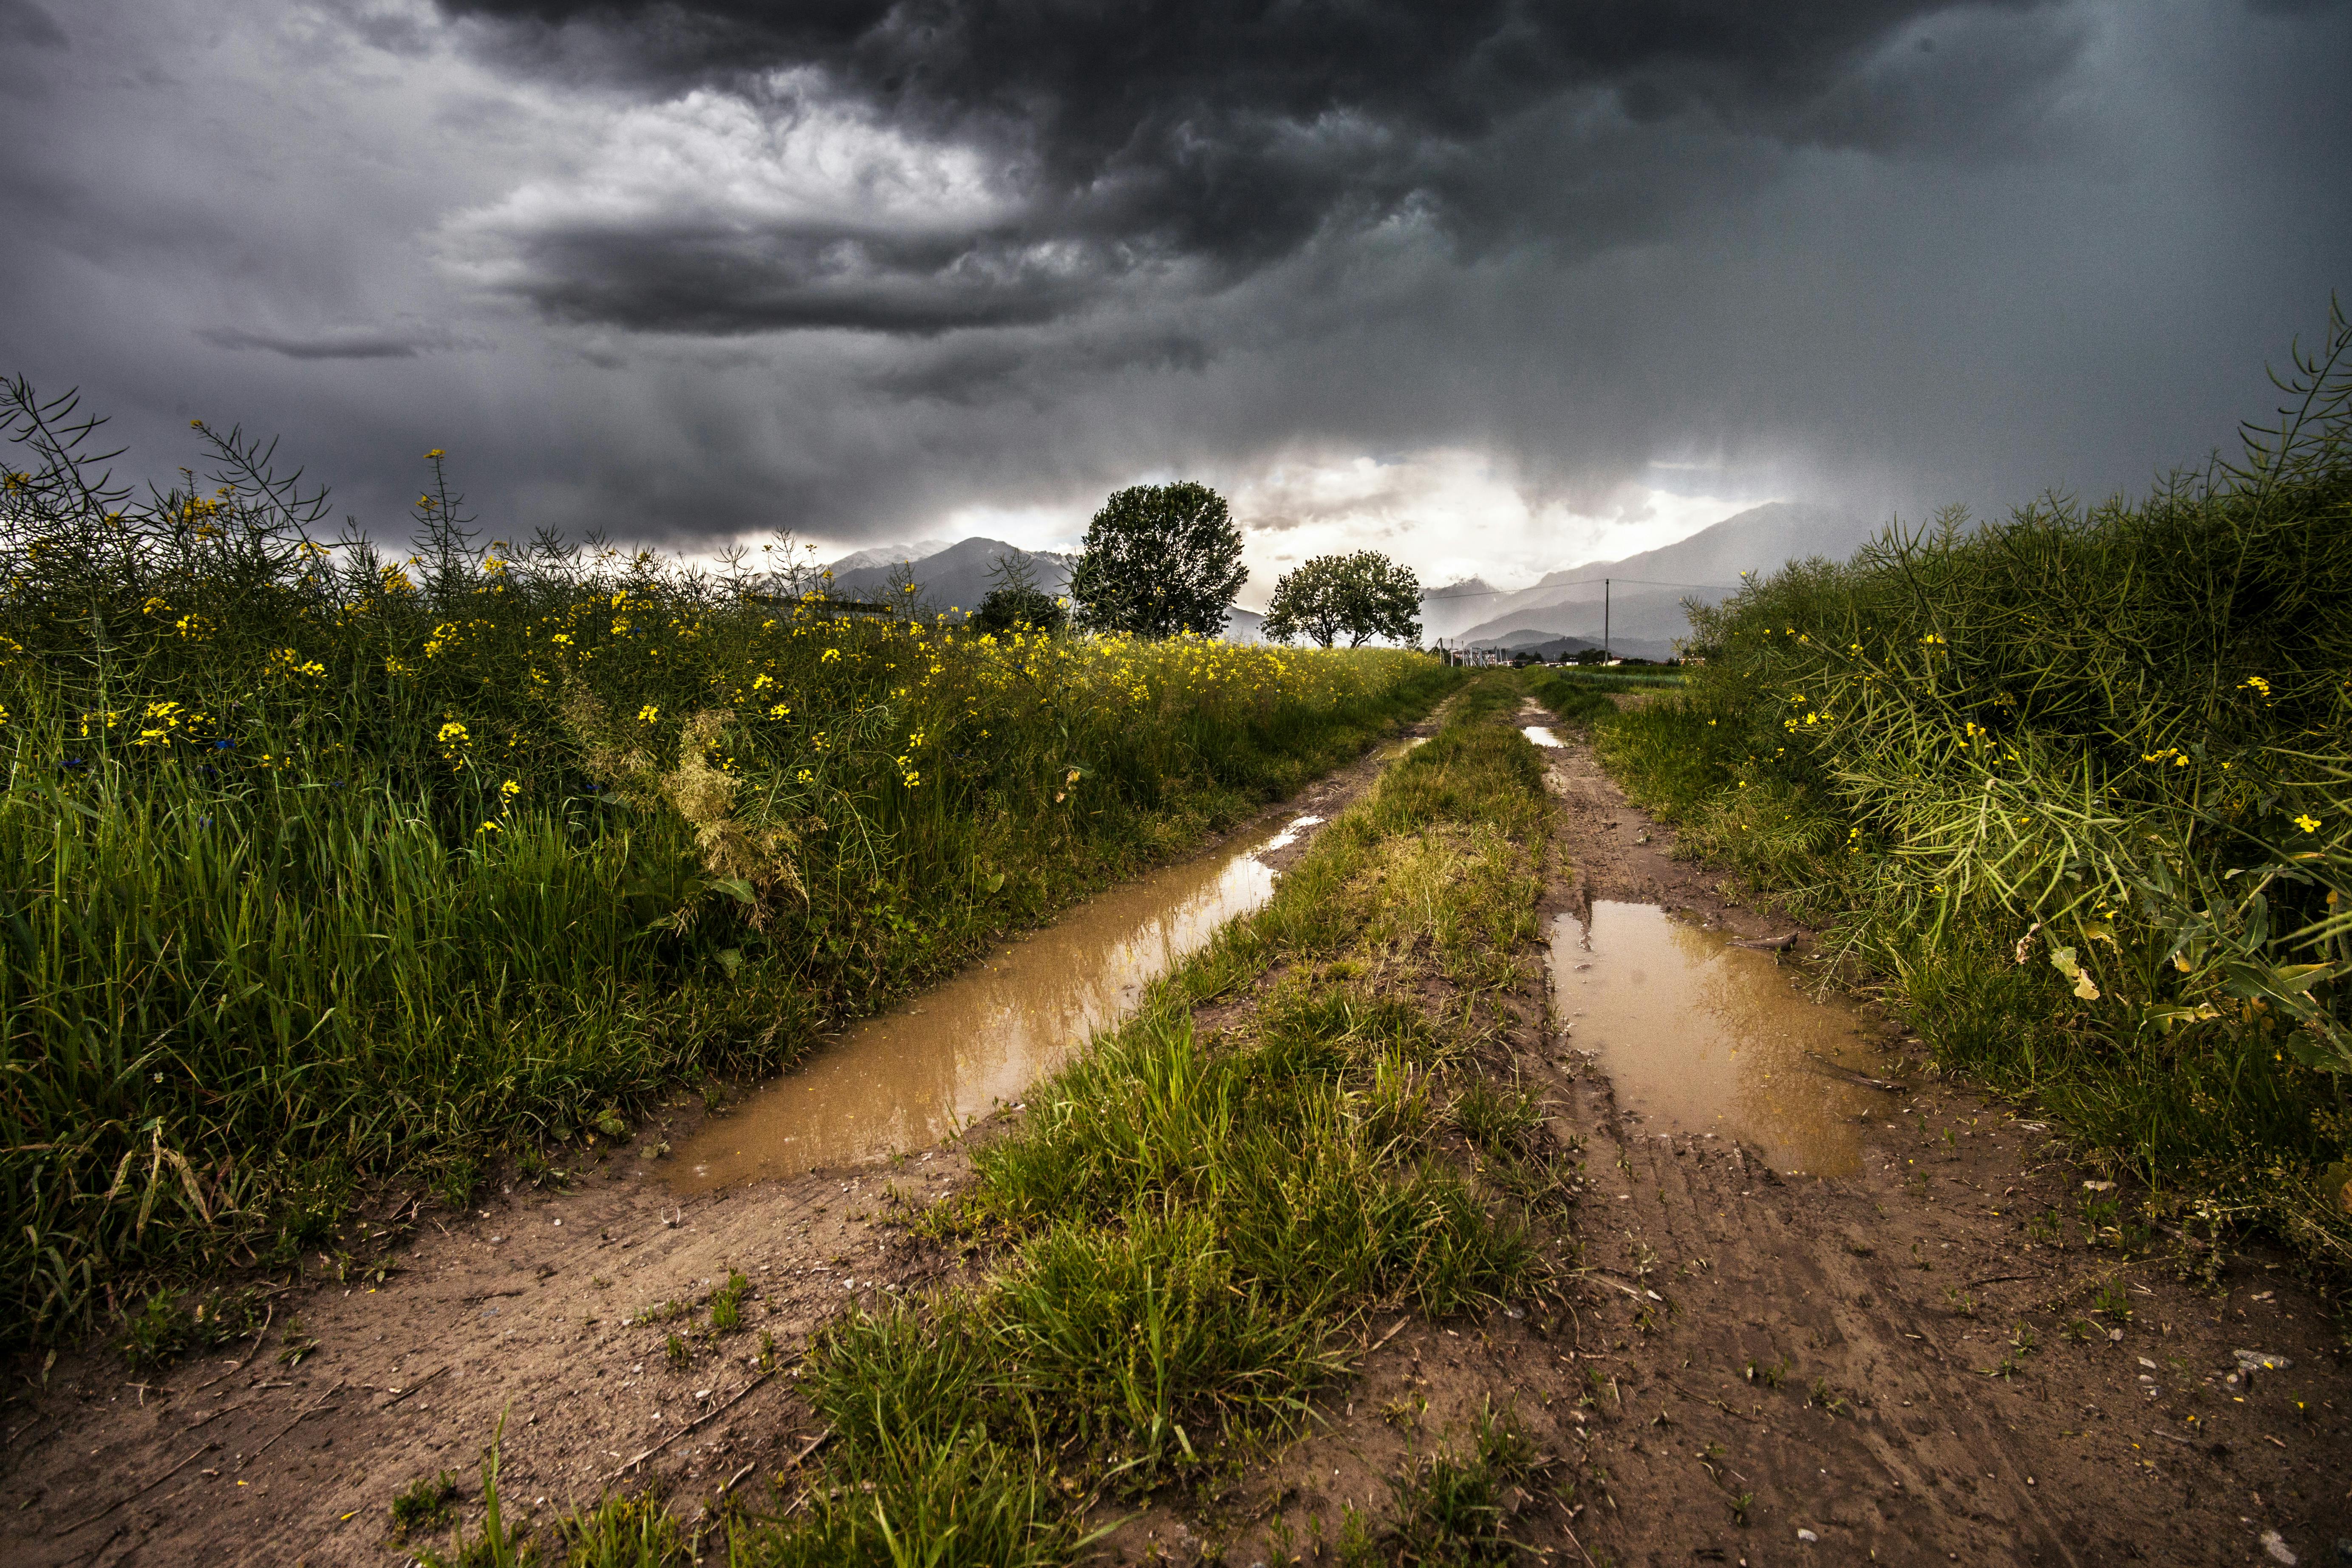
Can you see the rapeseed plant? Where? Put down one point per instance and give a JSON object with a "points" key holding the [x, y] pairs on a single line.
{"points": [[403, 859]]}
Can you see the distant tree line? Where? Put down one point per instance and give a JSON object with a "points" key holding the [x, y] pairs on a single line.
{"points": [[1160, 560]]}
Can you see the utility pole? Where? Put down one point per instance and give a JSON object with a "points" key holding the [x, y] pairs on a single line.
{"points": [[1604, 618]]}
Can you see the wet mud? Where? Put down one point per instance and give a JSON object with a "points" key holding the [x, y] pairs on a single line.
{"points": [[1701, 1036], [1938, 1344], [909, 1077]]}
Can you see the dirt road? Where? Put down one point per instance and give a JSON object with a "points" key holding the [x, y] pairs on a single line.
{"points": [[1902, 1364], [1925, 1359], [1911, 1364]]}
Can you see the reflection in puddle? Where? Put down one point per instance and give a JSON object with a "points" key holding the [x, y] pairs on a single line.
{"points": [[1541, 735], [1710, 1038], [909, 1077], [1288, 837]]}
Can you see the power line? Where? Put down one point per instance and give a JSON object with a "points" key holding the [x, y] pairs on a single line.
{"points": [[1584, 583]]}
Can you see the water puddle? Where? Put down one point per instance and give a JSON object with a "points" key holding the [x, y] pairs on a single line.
{"points": [[1541, 735], [909, 1077], [1703, 1037], [1288, 837]]}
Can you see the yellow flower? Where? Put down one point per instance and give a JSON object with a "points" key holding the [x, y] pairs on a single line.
{"points": [[2307, 822], [436, 453], [648, 713], [453, 733], [508, 790]]}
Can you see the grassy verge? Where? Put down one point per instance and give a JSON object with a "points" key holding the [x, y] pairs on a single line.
{"points": [[2075, 787], [1187, 1229], [321, 866]]}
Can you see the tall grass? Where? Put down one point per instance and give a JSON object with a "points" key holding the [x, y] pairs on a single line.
{"points": [[2079, 783], [321, 864]]}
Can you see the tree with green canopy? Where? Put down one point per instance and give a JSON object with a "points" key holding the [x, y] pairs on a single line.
{"points": [[1362, 597], [1160, 560]]}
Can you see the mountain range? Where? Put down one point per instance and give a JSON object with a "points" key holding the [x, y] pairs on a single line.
{"points": [[1563, 612], [1644, 596]]}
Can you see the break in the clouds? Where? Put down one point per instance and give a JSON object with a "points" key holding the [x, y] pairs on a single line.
{"points": [[1494, 286]]}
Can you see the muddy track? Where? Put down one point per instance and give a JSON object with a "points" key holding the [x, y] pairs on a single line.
{"points": [[1744, 1360], [1846, 1354], [1759, 1369], [543, 1303]]}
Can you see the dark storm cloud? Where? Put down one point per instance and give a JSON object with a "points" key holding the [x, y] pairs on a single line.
{"points": [[350, 342], [1189, 145], [684, 273], [22, 22]]}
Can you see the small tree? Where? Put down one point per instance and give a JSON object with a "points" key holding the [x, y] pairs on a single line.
{"points": [[1160, 559], [1015, 600], [1363, 596]]}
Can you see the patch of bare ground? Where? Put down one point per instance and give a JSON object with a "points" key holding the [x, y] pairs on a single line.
{"points": [[1961, 1353], [579, 1308]]}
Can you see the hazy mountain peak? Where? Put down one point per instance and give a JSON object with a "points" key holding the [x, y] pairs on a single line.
{"points": [[888, 555], [1644, 599]]}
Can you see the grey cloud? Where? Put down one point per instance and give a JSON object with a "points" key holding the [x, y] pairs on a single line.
{"points": [[1196, 144], [23, 22], [355, 342], [2055, 249]]}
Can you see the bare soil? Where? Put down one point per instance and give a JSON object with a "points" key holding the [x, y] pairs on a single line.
{"points": [[1883, 1362]]}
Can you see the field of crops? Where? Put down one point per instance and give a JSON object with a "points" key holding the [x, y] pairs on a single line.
{"points": [[2076, 787], [324, 864]]}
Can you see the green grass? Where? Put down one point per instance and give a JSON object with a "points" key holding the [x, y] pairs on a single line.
{"points": [[1450, 1508], [1189, 1230], [2075, 787], [327, 870], [1603, 678]]}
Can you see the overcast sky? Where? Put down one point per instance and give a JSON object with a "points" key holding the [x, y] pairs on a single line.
{"points": [[1492, 286]]}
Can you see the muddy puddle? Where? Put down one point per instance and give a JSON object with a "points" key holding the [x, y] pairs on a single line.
{"points": [[1541, 735], [1699, 1036], [907, 1078]]}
